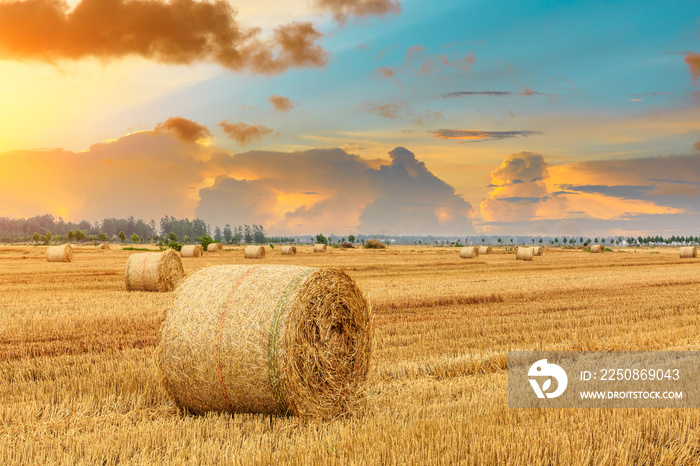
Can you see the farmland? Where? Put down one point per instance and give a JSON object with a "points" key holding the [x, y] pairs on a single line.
{"points": [[78, 382]]}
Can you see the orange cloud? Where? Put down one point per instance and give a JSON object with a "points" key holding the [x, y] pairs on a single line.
{"points": [[343, 9], [178, 32], [468, 135], [696, 146], [388, 110], [183, 129], [281, 104], [244, 133], [693, 61]]}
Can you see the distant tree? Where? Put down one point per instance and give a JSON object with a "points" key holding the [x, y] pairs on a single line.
{"points": [[320, 239], [483, 240], [540, 240], [420, 241], [172, 237], [556, 240], [258, 234], [580, 240], [351, 238], [135, 238], [228, 234], [122, 236], [499, 240], [186, 239], [511, 241], [217, 234], [47, 237], [205, 240], [70, 236], [35, 237], [102, 236], [533, 240], [595, 240], [602, 240], [79, 235], [247, 234], [565, 240]]}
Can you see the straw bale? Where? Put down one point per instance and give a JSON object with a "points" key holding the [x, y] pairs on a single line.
{"points": [[469, 252], [62, 253], [484, 249], [537, 250], [154, 271], [597, 248], [254, 252], [192, 250], [289, 250], [524, 253], [275, 339], [689, 251], [215, 247], [104, 246], [319, 248]]}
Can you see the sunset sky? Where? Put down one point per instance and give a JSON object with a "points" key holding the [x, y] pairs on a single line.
{"points": [[355, 116]]}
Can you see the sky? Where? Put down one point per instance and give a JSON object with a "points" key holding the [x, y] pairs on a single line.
{"points": [[392, 117]]}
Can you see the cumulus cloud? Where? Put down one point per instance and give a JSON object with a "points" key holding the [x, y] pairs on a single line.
{"points": [[184, 129], [468, 135], [693, 61], [333, 191], [281, 104], [177, 32], [243, 133], [419, 61], [343, 9], [389, 110]]}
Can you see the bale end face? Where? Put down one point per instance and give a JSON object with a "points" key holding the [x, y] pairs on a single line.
{"points": [[289, 250], [267, 339], [192, 250], [597, 249], [215, 247], [537, 251], [484, 249], [319, 248]]}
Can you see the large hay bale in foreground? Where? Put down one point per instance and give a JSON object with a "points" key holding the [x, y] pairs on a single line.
{"points": [[289, 250], [154, 271], [469, 252], [254, 252], [537, 250], [524, 253], [597, 248], [319, 248], [484, 249], [103, 246], [215, 247], [192, 250], [267, 339], [62, 253], [688, 252]]}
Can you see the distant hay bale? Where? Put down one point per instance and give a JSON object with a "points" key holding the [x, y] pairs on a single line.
{"points": [[469, 252], [319, 248], [374, 244], [688, 252], [484, 249], [537, 250], [524, 253], [347, 245], [215, 247], [62, 253], [154, 271], [289, 250], [192, 250], [597, 248], [254, 252], [274, 339], [103, 246]]}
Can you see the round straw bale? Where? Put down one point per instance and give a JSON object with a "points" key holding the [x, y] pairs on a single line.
{"points": [[103, 246], [62, 253], [469, 252], [537, 251], [689, 251], [319, 248], [215, 247], [192, 250], [484, 249], [597, 248], [254, 252], [289, 250], [267, 339], [524, 253], [154, 271]]}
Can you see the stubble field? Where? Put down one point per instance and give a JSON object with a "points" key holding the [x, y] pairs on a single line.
{"points": [[78, 382]]}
